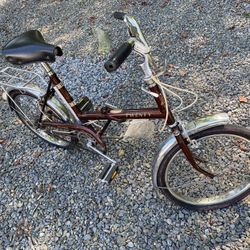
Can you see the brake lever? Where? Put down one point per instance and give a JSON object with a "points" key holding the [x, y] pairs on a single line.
{"points": [[134, 29]]}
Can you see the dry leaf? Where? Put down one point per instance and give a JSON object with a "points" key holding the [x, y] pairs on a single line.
{"points": [[241, 145], [183, 72], [121, 152], [166, 2], [184, 34], [104, 78], [2, 141], [17, 122], [17, 162], [45, 30], [50, 188], [226, 53], [200, 7], [243, 148], [36, 154], [4, 96], [243, 99], [92, 19]]}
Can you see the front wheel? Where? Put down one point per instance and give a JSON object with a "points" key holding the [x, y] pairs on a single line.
{"points": [[224, 151], [28, 108]]}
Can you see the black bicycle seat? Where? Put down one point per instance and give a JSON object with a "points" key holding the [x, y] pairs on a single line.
{"points": [[30, 47]]}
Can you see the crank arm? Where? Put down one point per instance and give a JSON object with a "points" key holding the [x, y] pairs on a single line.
{"points": [[109, 172]]}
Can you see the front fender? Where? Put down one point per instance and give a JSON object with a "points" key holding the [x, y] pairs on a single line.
{"points": [[191, 128], [52, 102]]}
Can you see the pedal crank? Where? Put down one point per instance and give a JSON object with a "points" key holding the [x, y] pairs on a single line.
{"points": [[109, 172]]}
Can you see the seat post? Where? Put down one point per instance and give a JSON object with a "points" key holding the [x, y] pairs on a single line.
{"points": [[47, 68], [64, 95]]}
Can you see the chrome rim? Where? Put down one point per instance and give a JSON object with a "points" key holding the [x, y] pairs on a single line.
{"points": [[225, 155], [29, 109]]}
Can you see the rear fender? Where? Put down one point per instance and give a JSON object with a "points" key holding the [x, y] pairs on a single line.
{"points": [[53, 102]]}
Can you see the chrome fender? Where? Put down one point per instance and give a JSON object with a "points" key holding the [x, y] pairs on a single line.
{"points": [[191, 128], [52, 102]]}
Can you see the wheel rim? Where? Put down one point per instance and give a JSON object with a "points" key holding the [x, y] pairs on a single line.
{"points": [[227, 156], [28, 110]]}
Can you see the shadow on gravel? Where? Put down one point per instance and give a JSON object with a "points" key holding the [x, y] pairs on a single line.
{"points": [[50, 198], [68, 24]]}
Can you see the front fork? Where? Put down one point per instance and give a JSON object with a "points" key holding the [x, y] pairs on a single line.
{"points": [[183, 143], [177, 131]]}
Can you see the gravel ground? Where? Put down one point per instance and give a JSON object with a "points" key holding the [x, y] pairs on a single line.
{"points": [[51, 198]]}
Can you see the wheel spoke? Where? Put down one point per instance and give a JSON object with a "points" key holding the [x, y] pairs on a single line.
{"points": [[28, 109], [218, 154]]}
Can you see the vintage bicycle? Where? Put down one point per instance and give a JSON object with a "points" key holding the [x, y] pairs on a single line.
{"points": [[203, 165]]}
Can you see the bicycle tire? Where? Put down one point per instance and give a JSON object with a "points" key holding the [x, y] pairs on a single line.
{"points": [[33, 106], [238, 149]]}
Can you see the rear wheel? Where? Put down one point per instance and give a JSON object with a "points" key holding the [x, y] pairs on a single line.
{"points": [[222, 150], [28, 108]]}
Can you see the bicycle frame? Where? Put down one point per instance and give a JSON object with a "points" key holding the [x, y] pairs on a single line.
{"points": [[112, 114], [117, 115], [104, 114]]}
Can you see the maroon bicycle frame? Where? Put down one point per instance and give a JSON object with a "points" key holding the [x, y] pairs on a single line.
{"points": [[116, 114], [121, 115]]}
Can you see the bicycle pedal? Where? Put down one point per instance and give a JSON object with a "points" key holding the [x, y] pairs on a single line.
{"points": [[109, 173]]}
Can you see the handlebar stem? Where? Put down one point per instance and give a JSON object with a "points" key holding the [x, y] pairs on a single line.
{"points": [[146, 69]]}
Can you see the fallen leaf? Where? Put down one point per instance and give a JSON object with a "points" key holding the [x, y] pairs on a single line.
{"points": [[50, 188], [184, 34], [104, 78], [183, 72], [4, 96], [166, 2], [121, 152], [92, 19], [17, 122], [243, 148], [170, 66], [243, 99], [200, 7], [226, 53], [45, 30], [2, 141], [241, 144], [17, 162], [36, 154]]}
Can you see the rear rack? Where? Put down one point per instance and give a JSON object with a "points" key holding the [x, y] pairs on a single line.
{"points": [[19, 78]]}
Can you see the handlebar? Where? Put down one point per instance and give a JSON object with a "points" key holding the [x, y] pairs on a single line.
{"points": [[119, 56], [119, 15], [136, 41]]}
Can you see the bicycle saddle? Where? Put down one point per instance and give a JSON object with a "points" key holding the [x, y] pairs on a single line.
{"points": [[30, 47]]}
